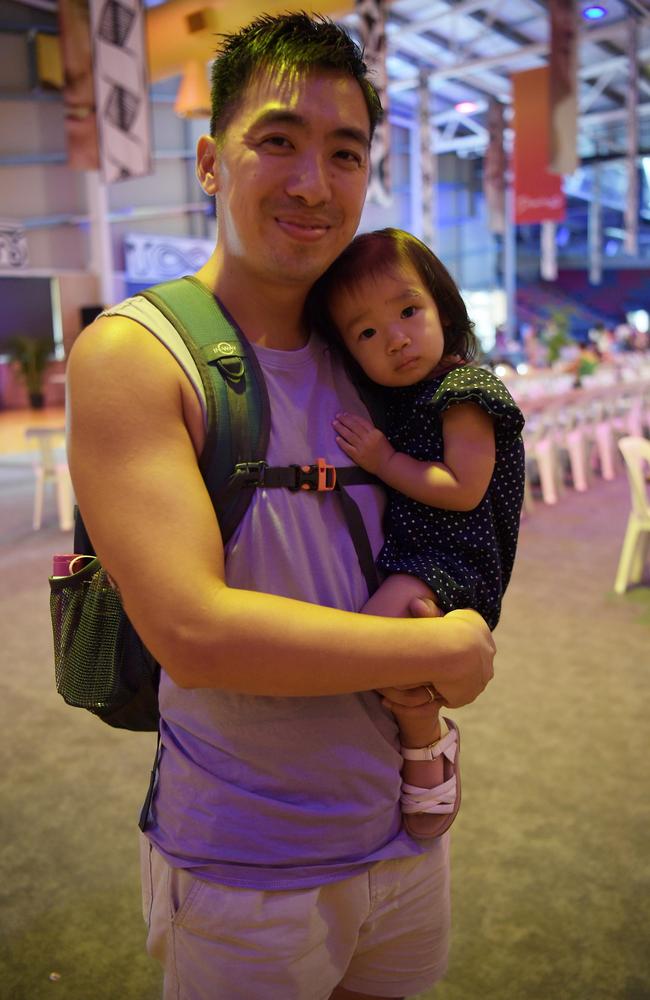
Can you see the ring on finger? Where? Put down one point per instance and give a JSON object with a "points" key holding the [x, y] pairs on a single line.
{"points": [[430, 692]]}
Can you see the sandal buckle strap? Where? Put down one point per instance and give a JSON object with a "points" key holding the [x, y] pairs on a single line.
{"points": [[446, 745]]}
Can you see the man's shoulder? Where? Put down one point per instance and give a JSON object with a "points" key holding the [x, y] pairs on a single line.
{"points": [[116, 345], [107, 338]]}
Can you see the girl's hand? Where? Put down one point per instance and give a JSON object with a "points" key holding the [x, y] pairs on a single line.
{"points": [[362, 442]]}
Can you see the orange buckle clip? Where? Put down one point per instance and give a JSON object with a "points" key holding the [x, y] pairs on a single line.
{"points": [[322, 477]]}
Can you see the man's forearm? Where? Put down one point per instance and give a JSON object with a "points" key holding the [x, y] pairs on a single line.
{"points": [[266, 645]]}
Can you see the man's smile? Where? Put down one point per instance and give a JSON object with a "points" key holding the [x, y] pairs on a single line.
{"points": [[303, 229]]}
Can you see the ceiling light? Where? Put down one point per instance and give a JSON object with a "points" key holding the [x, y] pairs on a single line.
{"points": [[594, 12], [466, 107]]}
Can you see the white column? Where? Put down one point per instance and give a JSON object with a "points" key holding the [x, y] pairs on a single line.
{"points": [[595, 231], [548, 262], [510, 258], [101, 248]]}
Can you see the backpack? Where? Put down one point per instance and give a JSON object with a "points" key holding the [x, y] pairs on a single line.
{"points": [[101, 664]]}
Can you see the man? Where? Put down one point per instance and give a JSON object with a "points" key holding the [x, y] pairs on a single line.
{"points": [[275, 864]]}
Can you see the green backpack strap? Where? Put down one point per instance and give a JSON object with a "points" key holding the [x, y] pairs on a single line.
{"points": [[238, 411]]}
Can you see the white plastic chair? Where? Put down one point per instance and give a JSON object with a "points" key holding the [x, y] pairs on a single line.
{"points": [[636, 452], [543, 456], [627, 420], [49, 467], [573, 435], [604, 438]]}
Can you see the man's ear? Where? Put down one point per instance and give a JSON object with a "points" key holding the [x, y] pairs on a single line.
{"points": [[207, 164]]}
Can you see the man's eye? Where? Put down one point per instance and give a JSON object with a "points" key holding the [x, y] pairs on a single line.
{"points": [[366, 334], [408, 312], [348, 156], [279, 141]]}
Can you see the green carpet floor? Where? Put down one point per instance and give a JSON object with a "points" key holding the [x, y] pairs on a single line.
{"points": [[551, 863]]}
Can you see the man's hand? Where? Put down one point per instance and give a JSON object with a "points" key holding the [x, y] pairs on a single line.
{"points": [[474, 649], [415, 697], [475, 652], [363, 442]]}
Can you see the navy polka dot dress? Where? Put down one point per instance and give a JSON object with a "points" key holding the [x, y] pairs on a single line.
{"points": [[466, 557]]}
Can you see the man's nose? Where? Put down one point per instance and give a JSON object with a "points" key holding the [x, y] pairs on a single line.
{"points": [[310, 181]]}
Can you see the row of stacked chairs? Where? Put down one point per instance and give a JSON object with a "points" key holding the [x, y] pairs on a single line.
{"points": [[572, 436]]}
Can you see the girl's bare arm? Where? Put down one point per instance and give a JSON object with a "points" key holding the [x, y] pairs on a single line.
{"points": [[458, 483]]}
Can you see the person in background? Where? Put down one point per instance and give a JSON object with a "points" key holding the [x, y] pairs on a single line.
{"points": [[585, 362], [274, 860], [603, 340]]}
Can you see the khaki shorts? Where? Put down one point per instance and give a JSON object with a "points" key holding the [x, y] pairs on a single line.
{"points": [[384, 933]]}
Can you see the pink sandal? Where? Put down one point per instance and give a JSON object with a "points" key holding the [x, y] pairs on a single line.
{"points": [[439, 804]]}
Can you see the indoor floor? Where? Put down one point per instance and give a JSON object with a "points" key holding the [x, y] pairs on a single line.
{"points": [[551, 868]]}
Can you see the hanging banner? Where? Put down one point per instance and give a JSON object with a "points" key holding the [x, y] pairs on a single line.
{"points": [[632, 102], [428, 163], [538, 192], [372, 33], [563, 65], [121, 88], [78, 86], [495, 166]]}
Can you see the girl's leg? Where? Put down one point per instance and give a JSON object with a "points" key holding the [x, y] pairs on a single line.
{"points": [[418, 726]]}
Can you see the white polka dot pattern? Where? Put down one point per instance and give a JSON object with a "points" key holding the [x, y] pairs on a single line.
{"points": [[466, 557]]}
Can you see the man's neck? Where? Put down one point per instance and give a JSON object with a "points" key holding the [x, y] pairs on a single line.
{"points": [[270, 315]]}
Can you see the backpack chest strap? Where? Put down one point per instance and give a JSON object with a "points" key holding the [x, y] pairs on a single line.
{"points": [[321, 478]]}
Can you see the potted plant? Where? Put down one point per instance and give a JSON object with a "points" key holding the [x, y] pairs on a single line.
{"points": [[31, 356]]}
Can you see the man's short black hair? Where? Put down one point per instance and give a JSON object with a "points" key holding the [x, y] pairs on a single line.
{"points": [[289, 42]]}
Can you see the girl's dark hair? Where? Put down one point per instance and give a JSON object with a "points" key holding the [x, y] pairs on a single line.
{"points": [[288, 43], [373, 254]]}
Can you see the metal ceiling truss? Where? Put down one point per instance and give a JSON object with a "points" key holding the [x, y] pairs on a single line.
{"points": [[468, 50]]}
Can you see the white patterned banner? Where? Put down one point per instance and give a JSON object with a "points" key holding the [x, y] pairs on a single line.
{"points": [[121, 88], [13, 245], [161, 258], [372, 31]]}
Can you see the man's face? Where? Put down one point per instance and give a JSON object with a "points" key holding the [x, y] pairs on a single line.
{"points": [[291, 174]]}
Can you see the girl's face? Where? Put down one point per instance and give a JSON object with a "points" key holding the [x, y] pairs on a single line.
{"points": [[390, 325]]}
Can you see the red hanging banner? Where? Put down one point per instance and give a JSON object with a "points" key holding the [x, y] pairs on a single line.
{"points": [[538, 192]]}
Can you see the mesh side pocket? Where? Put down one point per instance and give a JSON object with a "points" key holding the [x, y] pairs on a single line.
{"points": [[88, 622]]}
